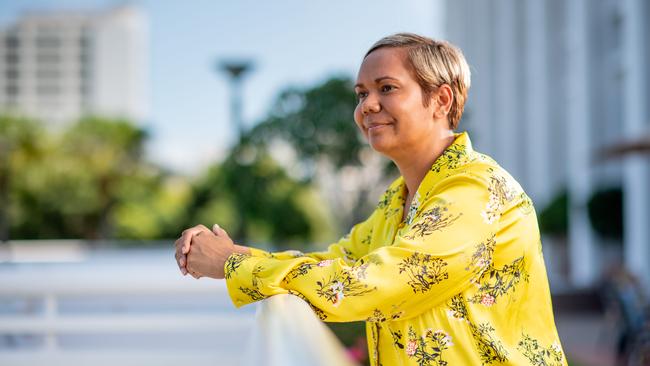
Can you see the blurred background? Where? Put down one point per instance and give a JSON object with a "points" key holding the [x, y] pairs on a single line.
{"points": [[123, 123]]}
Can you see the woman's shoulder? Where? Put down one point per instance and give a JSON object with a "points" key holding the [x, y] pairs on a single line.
{"points": [[485, 167], [479, 171]]}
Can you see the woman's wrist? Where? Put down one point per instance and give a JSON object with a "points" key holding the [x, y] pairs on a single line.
{"points": [[242, 249]]}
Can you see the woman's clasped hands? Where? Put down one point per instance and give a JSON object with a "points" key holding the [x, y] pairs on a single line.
{"points": [[202, 252]]}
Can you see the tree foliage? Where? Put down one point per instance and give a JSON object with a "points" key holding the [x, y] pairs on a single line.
{"points": [[606, 213], [73, 188], [251, 196], [91, 181], [20, 145], [317, 122]]}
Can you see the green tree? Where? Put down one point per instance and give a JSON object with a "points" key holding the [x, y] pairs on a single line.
{"points": [[318, 123], [20, 144], [83, 176], [255, 200], [151, 206], [111, 151]]}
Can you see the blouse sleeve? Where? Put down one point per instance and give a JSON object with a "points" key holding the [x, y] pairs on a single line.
{"points": [[447, 245]]}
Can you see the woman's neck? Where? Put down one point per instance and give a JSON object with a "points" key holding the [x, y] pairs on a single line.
{"points": [[415, 165]]}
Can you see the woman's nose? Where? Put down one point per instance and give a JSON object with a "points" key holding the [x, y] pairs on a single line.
{"points": [[370, 105]]}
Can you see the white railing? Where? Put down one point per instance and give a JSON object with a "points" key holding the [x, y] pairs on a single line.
{"points": [[288, 333], [50, 287], [283, 332]]}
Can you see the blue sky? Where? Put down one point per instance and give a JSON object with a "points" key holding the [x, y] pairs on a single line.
{"points": [[292, 42]]}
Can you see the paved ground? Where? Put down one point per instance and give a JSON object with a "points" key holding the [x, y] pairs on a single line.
{"points": [[588, 339]]}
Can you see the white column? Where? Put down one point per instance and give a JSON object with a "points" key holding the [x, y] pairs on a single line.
{"points": [[480, 61], [581, 241], [635, 169], [537, 116], [506, 94]]}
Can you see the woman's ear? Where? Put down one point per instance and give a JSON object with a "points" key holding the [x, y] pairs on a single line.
{"points": [[443, 97]]}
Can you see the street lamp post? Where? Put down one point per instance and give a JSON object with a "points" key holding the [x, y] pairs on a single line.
{"points": [[236, 71]]}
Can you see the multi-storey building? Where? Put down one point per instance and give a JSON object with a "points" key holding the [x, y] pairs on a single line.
{"points": [[59, 66]]}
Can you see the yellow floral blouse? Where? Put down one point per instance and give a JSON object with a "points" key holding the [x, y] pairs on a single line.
{"points": [[460, 281]]}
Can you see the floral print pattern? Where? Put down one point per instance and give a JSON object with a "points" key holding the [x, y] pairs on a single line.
{"points": [[539, 355], [495, 282], [481, 259], [385, 204], [432, 220], [428, 348], [437, 288], [254, 291], [361, 266], [526, 204], [233, 262], [397, 338], [423, 271], [490, 349], [319, 313], [413, 208], [453, 157], [340, 286], [377, 316], [301, 270], [366, 240], [500, 195]]}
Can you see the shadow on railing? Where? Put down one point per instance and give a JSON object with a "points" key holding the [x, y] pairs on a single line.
{"points": [[288, 333]]}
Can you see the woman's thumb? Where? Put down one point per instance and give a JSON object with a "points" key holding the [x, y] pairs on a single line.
{"points": [[218, 231]]}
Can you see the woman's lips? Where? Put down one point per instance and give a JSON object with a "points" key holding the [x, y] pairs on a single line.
{"points": [[377, 127]]}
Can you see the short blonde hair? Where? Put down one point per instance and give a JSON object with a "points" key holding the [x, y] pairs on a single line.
{"points": [[433, 64]]}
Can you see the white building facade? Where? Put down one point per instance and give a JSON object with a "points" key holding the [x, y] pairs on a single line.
{"points": [[554, 83], [60, 66]]}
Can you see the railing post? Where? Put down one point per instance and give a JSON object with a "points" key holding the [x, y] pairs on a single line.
{"points": [[51, 310]]}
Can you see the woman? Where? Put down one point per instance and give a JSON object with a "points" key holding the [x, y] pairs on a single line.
{"points": [[448, 269]]}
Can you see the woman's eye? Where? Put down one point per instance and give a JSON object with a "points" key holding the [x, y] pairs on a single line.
{"points": [[387, 88], [361, 95]]}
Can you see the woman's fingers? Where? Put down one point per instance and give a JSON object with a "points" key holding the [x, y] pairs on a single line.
{"points": [[187, 235], [181, 259], [218, 231], [183, 246]]}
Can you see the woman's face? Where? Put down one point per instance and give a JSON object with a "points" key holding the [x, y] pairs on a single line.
{"points": [[390, 112]]}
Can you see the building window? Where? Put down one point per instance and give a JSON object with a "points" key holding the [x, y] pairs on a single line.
{"points": [[11, 73], [84, 58], [47, 74], [48, 42], [12, 42], [12, 90], [47, 58], [11, 58], [48, 89]]}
